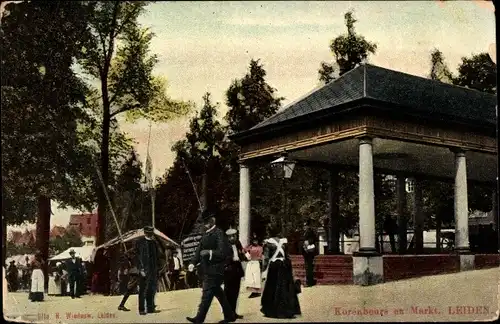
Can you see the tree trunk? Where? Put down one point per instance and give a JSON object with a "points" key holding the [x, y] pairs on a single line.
{"points": [[102, 201], [43, 233]]}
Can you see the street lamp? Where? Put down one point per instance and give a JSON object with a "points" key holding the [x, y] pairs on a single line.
{"points": [[283, 168]]}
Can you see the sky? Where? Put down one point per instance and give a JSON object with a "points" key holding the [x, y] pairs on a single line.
{"points": [[203, 46]]}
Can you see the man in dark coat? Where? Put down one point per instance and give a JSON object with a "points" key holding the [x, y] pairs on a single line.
{"points": [[309, 251], [147, 265], [391, 229], [12, 276], [234, 271], [212, 255], [74, 269]]}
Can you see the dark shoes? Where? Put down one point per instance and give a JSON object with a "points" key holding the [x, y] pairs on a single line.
{"points": [[239, 316], [142, 313], [193, 320], [123, 308], [154, 311], [254, 295]]}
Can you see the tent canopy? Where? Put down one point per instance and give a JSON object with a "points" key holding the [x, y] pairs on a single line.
{"points": [[137, 233], [84, 252]]}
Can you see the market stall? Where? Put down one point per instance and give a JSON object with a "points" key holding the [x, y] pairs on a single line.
{"points": [[108, 255]]}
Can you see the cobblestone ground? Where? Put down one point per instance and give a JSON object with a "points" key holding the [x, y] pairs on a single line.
{"points": [[464, 296]]}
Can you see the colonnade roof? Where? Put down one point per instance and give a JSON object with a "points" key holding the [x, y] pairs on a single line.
{"points": [[380, 89]]}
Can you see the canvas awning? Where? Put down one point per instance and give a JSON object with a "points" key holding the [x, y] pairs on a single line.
{"points": [[135, 234], [84, 252]]}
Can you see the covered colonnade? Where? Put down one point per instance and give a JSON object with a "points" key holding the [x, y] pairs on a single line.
{"points": [[378, 120]]}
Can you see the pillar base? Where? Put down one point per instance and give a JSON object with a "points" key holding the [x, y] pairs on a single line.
{"points": [[368, 252], [367, 270], [467, 261]]}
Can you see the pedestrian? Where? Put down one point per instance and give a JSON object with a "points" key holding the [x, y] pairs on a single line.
{"points": [[212, 255], [74, 269], [234, 271], [253, 278], [309, 251], [37, 279], [12, 276], [147, 264], [279, 298], [175, 270], [391, 228], [55, 281], [132, 277]]}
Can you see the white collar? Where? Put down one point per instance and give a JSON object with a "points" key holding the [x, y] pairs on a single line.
{"points": [[148, 238], [211, 228]]}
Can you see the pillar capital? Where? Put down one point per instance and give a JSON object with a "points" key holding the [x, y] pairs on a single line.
{"points": [[364, 139], [460, 152], [243, 164]]}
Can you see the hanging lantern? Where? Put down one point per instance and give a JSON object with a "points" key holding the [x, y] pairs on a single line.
{"points": [[283, 167], [410, 185]]}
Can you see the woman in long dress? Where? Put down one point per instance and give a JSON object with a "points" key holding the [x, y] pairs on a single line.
{"points": [[279, 298], [37, 279], [253, 279]]}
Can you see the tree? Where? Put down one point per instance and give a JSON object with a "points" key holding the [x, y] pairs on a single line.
{"points": [[71, 238], [250, 100], [117, 55], [130, 201], [200, 154], [349, 50], [439, 68], [42, 106], [477, 72]]}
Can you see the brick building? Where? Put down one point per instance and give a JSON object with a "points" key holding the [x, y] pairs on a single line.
{"points": [[86, 225]]}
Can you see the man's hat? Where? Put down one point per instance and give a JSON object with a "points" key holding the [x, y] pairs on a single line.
{"points": [[231, 231], [206, 215], [71, 251], [148, 230]]}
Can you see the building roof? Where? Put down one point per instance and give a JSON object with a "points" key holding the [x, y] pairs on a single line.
{"points": [[376, 87]]}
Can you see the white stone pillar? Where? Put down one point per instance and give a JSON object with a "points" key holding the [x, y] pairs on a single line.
{"points": [[366, 197], [461, 203], [244, 217]]}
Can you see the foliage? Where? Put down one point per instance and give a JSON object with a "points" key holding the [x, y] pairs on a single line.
{"points": [[131, 202], [250, 99], [439, 68], [117, 55], [477, 72], [18, 249], [199, 153], [349, 50], [42, 104], [71, 238]]}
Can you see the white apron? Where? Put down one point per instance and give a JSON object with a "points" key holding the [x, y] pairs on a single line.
{"points": [[37, 281], [54, 286], [253, 278]]}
